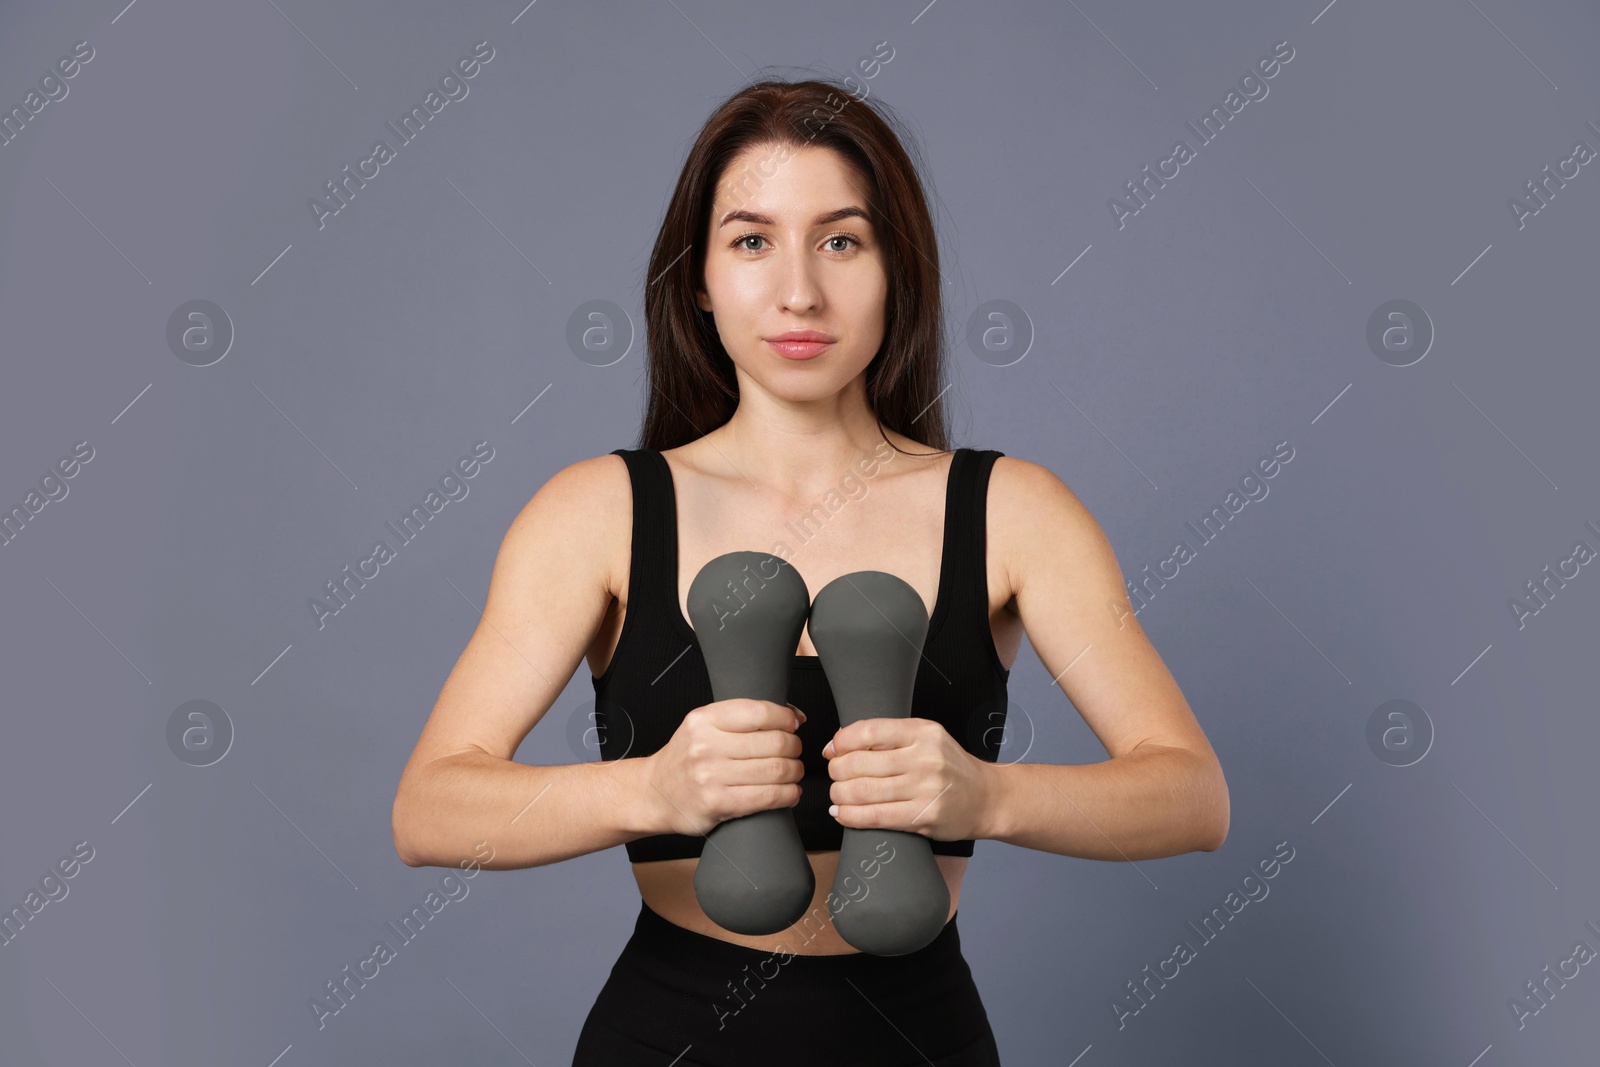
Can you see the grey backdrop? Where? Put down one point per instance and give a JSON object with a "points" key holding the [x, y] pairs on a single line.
{"points": [[361, 358]]}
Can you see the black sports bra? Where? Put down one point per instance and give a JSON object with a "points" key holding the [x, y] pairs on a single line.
{"points": [[657, 674]]}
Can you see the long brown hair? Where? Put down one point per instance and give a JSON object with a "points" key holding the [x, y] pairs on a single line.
{"points": [[691, 385]]}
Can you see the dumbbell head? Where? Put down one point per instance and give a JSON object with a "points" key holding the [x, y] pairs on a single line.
{"points": [[869, 627], [748, 609]]}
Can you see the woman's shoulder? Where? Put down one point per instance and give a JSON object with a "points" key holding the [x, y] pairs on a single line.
{"points": [[586, 489], [1030, 510], [1019, 485], [584, 511], [1029, 494]]}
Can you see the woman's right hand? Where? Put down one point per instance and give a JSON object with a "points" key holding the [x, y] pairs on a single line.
{"points": [[726, 759]]}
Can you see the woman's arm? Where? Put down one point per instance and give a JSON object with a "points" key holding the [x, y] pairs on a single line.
{"points": [[550, 591], [1162, 792]]}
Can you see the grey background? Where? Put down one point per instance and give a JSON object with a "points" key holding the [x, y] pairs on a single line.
{"points": [[1228, 315]]}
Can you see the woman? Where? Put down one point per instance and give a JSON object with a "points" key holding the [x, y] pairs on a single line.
{"points": [[795, 407]]}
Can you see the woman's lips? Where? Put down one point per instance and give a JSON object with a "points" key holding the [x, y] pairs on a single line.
{"points": [[800, 349]]}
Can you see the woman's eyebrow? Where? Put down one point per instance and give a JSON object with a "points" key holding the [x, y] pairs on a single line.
{"points": [[740, 215]]}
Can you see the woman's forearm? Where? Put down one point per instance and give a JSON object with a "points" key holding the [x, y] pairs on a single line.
{"points": [[528, 815], [1155, 801]]}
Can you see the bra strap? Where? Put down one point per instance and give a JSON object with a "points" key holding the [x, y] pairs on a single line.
{"points": [[970, 532], [654, 535]]}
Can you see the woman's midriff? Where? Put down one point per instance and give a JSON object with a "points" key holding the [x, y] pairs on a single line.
{"points": [[667, 886]]}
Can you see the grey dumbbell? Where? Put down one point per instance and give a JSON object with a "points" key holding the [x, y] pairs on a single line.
{"points": [[869, 627], [748, 609]]}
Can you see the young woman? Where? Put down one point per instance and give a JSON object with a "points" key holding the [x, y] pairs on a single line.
{"points": [[795, 407]]}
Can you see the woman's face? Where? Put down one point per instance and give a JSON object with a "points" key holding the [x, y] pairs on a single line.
{"points": [[781, 258]]}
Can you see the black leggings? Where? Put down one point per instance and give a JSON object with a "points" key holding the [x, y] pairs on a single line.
{"points": [[680, 998]]}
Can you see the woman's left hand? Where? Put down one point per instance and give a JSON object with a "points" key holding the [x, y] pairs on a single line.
{"points": [[908, 774]]}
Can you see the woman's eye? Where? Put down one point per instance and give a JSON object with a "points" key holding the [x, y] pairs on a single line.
{"points": [[742, 244]]}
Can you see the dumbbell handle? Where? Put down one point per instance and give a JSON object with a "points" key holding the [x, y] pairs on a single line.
{"points": [[748, 609], [869, 627]]}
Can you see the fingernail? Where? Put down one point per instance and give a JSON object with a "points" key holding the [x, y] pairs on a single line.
{"points": [[827, 750], [833, 809]]}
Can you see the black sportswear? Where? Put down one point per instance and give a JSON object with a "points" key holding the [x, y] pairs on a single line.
{"points": [[657, 674], [676, 996]]}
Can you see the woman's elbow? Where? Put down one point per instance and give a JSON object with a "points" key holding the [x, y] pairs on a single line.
{"points": [[402, 826], [407, 857], [1215, 826]]}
